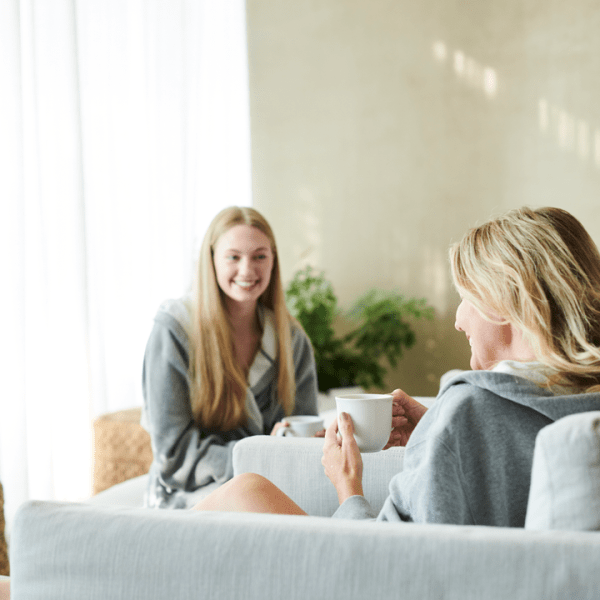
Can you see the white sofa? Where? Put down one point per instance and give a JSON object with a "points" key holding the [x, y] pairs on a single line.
{"points": [[82, 551]]}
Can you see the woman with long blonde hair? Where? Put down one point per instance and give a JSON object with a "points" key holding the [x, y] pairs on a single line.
{"points": [[225, 362]]}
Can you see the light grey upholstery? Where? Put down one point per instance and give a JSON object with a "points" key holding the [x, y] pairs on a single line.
{"points": [[83, 552], [87, 552]]}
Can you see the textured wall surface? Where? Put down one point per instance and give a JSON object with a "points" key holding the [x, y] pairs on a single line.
{"points": [[382, 130]]}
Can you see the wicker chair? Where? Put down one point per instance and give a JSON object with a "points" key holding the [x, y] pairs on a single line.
{"points": [[4, 566], [122, 448]]}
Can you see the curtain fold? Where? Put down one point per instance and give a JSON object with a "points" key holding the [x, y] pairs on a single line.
{"points": [[124, 128]]}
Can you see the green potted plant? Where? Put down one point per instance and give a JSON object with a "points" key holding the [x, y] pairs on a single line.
{"points": [[380, 331]]}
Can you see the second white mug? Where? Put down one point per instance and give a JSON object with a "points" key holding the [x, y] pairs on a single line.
{"points": [[302, 426]]}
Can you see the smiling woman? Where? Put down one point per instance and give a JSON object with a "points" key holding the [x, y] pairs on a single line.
{"points": [[222, 363]]}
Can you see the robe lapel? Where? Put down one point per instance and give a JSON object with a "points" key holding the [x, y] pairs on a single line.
{"points": [[263, 362]]}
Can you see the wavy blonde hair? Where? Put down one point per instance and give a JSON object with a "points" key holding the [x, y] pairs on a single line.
{"points": [[540, 270], [218, 382]]}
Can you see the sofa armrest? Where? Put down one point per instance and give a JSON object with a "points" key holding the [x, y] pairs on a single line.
{"points": [[294, 465]]}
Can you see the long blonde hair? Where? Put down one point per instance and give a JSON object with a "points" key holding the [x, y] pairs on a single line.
{"points": [[540, 270], [217, 381]]}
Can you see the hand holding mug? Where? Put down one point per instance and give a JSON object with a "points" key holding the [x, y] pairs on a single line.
{"points": [[341, 458], [406, 413]]}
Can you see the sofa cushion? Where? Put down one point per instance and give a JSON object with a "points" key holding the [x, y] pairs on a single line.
{"points": [[565, 480]]}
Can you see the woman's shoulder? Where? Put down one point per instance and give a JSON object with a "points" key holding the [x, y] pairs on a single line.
{"points": [[175, 313], [467, 402], [300, 338], [507, 378], [467, 394], [509, 388]]}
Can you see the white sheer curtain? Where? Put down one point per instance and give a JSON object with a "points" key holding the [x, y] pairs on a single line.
{"points": [[124, 128]]}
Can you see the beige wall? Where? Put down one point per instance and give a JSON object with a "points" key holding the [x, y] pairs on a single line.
{"points": [[382, 129]]}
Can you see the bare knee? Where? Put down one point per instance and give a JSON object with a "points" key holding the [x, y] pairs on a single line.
{"points": [[255, 493], [250, 483], [249, 492], [235, 495]]}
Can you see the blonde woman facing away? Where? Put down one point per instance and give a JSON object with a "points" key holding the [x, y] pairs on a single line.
{"points": [[226, 362], [529, 283]]}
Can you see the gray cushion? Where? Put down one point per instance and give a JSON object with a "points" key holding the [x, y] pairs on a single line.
{"points": [[565, 481]]}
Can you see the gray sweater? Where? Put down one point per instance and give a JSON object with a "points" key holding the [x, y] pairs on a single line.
{"points": [[187, 456], [469, 459]]}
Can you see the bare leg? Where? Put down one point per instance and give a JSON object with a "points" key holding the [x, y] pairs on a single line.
{"points": [[4, 589], [250, 493]]}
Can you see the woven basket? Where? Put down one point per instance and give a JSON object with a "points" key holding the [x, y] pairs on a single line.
{"points": [[4, 566], [122, 448]]}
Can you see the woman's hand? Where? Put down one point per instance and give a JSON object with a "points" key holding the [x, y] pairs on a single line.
{"points": [[406, 413], [342, 460], [279, 425]]}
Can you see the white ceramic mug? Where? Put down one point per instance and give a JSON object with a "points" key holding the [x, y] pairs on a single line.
{"points": [[302, 426], [372, 418]]}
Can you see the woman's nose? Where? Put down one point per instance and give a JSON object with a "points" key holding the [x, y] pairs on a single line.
{"points": [[244, 265], [457, 319]]}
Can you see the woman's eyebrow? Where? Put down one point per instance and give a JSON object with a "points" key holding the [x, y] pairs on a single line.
{"points": [[261, 249]]}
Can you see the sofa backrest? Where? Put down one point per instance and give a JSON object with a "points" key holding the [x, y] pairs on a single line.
{"points": [[82, 552]]}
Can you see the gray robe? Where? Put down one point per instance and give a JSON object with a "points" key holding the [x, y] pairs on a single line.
{"points": [[190, 459]]}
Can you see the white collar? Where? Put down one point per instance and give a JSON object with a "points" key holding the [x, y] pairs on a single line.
{"points": [[533, 371], [267, 353]]}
